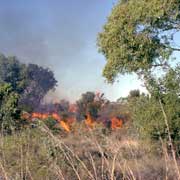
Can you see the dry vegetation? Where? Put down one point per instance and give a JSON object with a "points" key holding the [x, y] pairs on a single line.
{"points": [[83, 154]]}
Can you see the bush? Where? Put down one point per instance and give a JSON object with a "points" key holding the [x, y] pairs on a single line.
{"points": [[52, 125], [10, 114], [147, 113]]}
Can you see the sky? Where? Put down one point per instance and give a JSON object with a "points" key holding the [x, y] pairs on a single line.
{"points": [[61, 35]]}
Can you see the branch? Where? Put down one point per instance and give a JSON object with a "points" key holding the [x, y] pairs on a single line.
{"points": [[172, 48], [175, 49]]}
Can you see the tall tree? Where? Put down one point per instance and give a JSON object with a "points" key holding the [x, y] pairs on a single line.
{"points": [[139, 35]]}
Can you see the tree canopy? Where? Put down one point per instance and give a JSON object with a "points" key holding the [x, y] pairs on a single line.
{"points": [[13, 72], [30, 81], [139, 35], [39, 81]]}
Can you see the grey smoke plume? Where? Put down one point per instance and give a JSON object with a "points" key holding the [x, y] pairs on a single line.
{"points": [[60, 34]]}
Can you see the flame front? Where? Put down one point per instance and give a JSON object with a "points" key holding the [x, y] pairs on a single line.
{"points": [[55, 116], [40, 115], [66, 124], [62, 123], [90, 122], [116, 123]]}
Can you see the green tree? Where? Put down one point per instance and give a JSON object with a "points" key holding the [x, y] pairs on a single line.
{"points": [[139, 36], [13, 72], [31, 81]]}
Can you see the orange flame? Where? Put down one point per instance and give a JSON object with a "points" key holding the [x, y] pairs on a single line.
{"points": [[55, 116], [62, 123], [116, 123], [40, 115], [65, 125], [90, 122]]}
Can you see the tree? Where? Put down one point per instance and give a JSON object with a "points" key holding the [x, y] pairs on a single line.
{"points": [[39, 81], [13, 72], [139, 36], [31, 81], [90, 103]]}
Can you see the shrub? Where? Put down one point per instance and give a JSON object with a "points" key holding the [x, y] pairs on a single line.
{"points": [[10, 114]]}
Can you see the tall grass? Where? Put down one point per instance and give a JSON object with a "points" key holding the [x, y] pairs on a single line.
{"points": [[38, 154]]}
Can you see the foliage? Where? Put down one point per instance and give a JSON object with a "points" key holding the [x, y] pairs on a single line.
{"points": [[139, 36], [40, 81], [9, 113], [90, 103], [147, 113], [52, 124], [31, 81], [13, 72]]}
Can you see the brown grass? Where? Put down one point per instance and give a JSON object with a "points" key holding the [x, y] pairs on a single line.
{"points": [[83, 155]]}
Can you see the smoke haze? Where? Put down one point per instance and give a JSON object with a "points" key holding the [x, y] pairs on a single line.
{"points": [[61, 34]]}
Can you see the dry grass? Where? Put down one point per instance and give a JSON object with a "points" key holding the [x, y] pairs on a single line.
{"points": [[38, 154]]}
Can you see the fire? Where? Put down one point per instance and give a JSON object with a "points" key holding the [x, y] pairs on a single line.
{"points": [[40, 115], [90, 122], [116, 123], [65, 126], [55, 116], [62, 123]]}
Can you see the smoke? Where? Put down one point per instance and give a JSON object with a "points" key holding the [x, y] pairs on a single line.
{"points": [[61, 35], [18, 33]]}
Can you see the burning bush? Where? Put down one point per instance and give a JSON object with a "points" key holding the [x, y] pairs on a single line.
{"points": [[91, 103]]}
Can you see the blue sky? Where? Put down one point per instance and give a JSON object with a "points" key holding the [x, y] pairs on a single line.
{"points": [[61, 34]]}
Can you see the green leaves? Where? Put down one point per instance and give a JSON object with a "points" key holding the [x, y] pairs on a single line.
{"points": [[147, 114], [9, 112], [138, 35]]}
